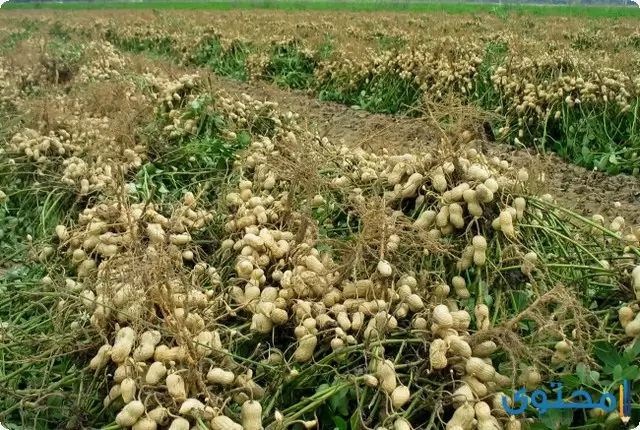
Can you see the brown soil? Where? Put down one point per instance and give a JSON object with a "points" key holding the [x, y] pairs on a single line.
{"points": [[337, 121], [585, 191]]}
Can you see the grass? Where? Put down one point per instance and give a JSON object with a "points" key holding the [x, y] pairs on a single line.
{"points": [[599, 11], [381, 94]]}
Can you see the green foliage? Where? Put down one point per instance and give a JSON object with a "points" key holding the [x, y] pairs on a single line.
{"points": [[57, 30], [54, 385], [188, 163], [592, 11], [485, 95], [195, 162], [62, 60], [290, 66], [34, 205], [225, 62], [159, 45], [341, 408], [10, 42], [612, 367], [603, 138], [380, 93], [51, 387], [390, 42], [584, 41]]}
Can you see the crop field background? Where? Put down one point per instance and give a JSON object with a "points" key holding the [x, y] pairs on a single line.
{"points": [[317, 219], [450, 7]]}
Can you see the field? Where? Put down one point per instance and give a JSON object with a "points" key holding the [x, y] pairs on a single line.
{"points": [[245, 219], [593, 11]]}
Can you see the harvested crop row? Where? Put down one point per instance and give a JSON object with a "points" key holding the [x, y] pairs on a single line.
{"points": [[409, 288], [539, 97], [435, 242]]}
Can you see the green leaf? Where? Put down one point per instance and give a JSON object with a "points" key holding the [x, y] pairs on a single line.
{"points": [[340, 423], [557, 418], [613, 159], [595, 376], [219, 122], [617, 373], [581, 373], [150, 169], [322, 387], [338, 403], [244, 138], [603, 163], [613, 169], [630, 372], [196, 104], [343, 409], [607, 354], [540, 426], [633, 351], [488, 300], [570, 381], [586, 138], [520, 301]]}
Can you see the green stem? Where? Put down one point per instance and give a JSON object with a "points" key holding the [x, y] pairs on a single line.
{"points": [[316, 400]]}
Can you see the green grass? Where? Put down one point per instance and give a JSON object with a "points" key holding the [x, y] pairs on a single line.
{"points": [[290, 67], [600, 11]]}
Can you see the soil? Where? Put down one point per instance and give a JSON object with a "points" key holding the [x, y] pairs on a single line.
{"points": [[585, 191]]}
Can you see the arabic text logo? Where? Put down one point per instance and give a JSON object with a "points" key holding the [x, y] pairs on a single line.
{"points": [[580, 399]]}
